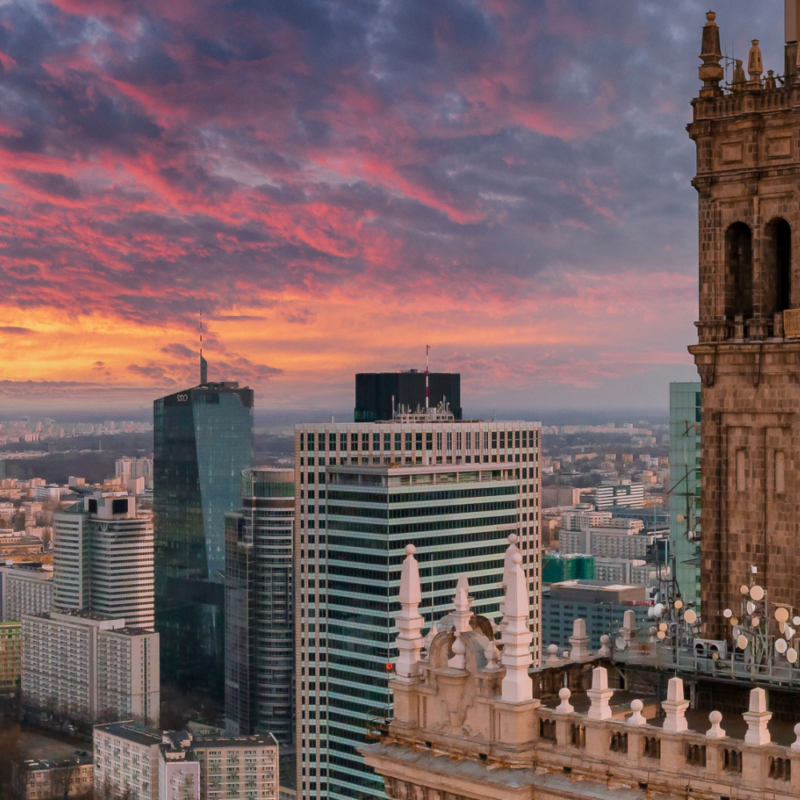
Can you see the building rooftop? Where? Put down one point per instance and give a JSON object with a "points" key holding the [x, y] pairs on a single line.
{"points": [[217, 740], [592, 591], [133, 732]]}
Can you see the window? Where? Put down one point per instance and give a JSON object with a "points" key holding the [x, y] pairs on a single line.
{"points": [[343, 441], [365, 441], [354, 441], [739, 263], [780, 769], [732, 761], [398, 441], [777, 267], [619, 742], [332, 441], [696, 755], [652, 747]]}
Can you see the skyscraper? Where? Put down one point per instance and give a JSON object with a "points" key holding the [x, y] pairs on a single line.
{"points": [[364, 491], [203, 441], [103, 559], [748, 172], [375, 392], [259, 610]]}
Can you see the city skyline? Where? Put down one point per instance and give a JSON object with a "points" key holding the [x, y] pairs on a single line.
{"points": [[336, 187]]}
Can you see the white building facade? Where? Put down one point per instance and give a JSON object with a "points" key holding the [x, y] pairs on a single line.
{"points": [[24, 590]]}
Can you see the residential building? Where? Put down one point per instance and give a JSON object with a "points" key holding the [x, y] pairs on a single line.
{"points": [[259, 612], [607, 542], [747, 169], [126, 756], [10, 652], [103, 559], [46, 778], [455, 490], [472, 724], [624, 494], [25, 589], [89, 667], [554, 496], [203, 440], [126, 469], [685, 411], [630, 570], [376, 392], [602, 604]]}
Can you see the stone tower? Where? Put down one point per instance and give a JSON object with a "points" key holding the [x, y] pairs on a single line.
{"points": [[748, 352]]}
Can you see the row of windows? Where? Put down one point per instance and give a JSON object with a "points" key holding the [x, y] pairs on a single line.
{"points": [[418, 511], [367, 441], [421, 497], [421, 527]]}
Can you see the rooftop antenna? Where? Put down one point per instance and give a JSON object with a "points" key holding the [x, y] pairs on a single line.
{"points": [[427, 351], [203, 362]]}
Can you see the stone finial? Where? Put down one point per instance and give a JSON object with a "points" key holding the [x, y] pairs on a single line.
{"points": [[628, 629], [637, 718], [770, 82], [715, 731], [739, 80], [605, 650], [409, 623], [491, 654], [458, 661], [600, 694], [711, 72], [675, 707], [757, 718], [565, 707], [552, 659], [755, 65], [462, 606], [508, 566], [580, 642], [796, 743], [429, 637], [517, 685]]}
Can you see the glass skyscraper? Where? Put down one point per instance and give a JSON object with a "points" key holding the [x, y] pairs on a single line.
{"points": [[203, 440], [259, 610]]}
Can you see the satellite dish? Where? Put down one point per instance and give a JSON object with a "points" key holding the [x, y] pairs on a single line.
{"points": [[663, 626], [791, 655], [690, 616], [789, 632], [736, 632], [680, 518], [751, 607], [756, 622], [619, 643], [757, 593], [744, 590], [658, 610], [735, 621], [715, 656], [796, 622], [781, 626], [782, 614], [727, 613], [781, 646], [741, 642], [661, 635], [679, 604]]}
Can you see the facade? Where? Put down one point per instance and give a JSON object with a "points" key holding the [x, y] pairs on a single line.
{"points": [[89, 667], [126, 469], [747, 354], [103, 559], [44, 779], [600, 603], [24, 589], [621, 495], [259, 612], [555, 496], [348, 552], [685, 408], [177, 765], [375, 392], [203, 439], [607, 542], [557, 568], [10, 655], [467, 726]]}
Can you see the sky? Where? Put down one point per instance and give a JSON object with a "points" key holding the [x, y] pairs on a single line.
{"points": [[335, 184]]}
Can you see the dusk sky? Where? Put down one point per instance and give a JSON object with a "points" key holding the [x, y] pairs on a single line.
{"points": [[335, 185]]}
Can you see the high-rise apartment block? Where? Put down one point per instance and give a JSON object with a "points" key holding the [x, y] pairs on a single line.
{"points": [[259, 612], [380, 394], [103, 559], [619, 495], [684, 500], [126, 469], [748, 171], [10, 655], [455, 490], [203, 440], [89, 666], [24, 589]]}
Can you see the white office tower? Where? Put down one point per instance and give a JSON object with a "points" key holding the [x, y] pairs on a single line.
{"points": [[455, 490], [103, 559]]}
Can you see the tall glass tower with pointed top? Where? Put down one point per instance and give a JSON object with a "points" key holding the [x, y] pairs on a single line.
{"points": [[203, 439]]}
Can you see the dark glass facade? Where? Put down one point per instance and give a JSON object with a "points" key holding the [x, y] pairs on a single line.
{"points": [[203, 441], [374, 392], [259, 610]]}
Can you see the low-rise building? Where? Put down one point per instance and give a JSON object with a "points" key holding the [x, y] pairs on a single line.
{"points": [[10, 652], [25, 589], [126, 756], [44, 779]]}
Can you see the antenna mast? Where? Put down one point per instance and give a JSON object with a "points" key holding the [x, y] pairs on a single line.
{"points": [[427, 351], [203, 362]]}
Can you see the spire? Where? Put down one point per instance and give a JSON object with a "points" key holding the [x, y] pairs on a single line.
{"points": [[675, 707], [508, 568], [757, 719], [203, 362], [711, 72], [600, 695], [755, 65], [462, 605], [517, 684], [409, 623]]}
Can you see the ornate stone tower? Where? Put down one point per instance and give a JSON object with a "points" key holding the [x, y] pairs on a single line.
{"points": [[748, 351]]}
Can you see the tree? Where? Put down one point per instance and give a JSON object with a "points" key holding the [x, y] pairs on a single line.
{"points": [[63, 778]]}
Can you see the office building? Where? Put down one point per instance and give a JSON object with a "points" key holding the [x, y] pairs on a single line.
{"points": [[103, 559], [748, 168], [25, 589], [364, 492], [618, 495], [685, 410], [468, 726], [259, 613], [375, 392], [178, 765], [89, 666], [10, 655], [203, 440], [575, 566]]}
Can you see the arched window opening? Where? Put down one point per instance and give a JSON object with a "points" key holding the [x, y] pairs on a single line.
{"points": [[739, 261], [777, 266]]}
